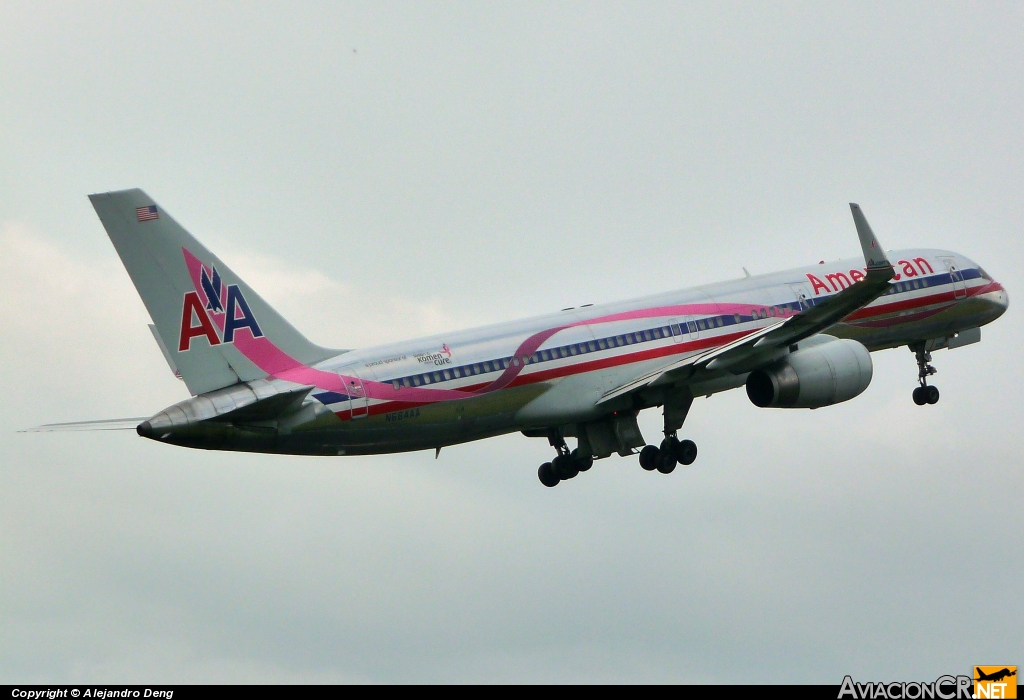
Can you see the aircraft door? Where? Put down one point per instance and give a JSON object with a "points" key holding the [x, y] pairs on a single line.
{"points": [[690, 328], [801, 295], [357, 404], [678, 330], [956, 277]]}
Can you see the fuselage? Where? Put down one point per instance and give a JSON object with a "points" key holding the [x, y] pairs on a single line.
{"points": [[551, 371]]}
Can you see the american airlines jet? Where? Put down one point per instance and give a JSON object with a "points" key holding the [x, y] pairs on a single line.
{"points": [[795, 339]]}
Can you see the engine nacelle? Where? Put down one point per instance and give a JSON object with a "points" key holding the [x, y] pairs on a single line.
{"points": [[827, 372]]}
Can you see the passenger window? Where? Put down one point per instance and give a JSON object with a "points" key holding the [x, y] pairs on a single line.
{"points": [[603, 344], [719, 322], [426, 379], [396, 385], [736, 318], [515, 361], [405, 382], [924, 282], [447, 375], [436, 376], [457, 372]]}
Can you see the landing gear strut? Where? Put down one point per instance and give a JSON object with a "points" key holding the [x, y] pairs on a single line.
{"points": [[925, 393], [565, 465], [673, 450]]}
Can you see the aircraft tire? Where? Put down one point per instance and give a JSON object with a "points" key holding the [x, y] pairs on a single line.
{"points": [[687, 452], [582, 463], [648, 457], [547, 475], [920, 397], [932, 394], [564, 467], [665, 462]]}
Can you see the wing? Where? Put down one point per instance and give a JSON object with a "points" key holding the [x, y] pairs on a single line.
{"points": [[767, 344]]}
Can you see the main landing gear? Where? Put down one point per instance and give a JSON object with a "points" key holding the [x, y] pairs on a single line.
{"points": [[566, 465], [673, 450], [925, 393]]}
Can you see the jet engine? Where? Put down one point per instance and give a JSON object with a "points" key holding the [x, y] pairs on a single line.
{"points": [[819, 374]]}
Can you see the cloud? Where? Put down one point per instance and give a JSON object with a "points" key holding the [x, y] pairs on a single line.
{"points": [[340, 314]]}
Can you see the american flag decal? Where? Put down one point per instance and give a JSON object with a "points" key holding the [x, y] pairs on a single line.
{"points": [[146, 213]]}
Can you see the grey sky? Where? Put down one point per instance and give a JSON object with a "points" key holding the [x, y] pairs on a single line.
{"points": [[381, 171]]}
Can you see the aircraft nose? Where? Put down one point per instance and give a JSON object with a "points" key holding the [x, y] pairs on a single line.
{"points": [[1002, 300], [998, 300]]}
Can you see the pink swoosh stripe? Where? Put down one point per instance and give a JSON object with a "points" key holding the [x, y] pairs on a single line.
{"points": [[276, 363]]}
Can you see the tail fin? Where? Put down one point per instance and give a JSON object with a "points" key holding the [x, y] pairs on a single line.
{"points": [[197, 303]]}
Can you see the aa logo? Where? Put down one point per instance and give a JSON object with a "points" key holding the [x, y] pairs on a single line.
{"points": [[214, 311], [995, 682]]}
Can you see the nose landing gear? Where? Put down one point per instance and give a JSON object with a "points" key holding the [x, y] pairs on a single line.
{"points": [[925, 393]]}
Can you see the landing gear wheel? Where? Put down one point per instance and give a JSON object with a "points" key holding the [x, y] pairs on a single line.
{"points": [[931, 394], [921, 396], [648, 456], [564, 467], [686, 452], [582, 463], [547, 475], [665, 462], [666, 459]]}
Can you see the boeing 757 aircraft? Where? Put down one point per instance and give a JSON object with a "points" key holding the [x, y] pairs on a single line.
{"points": [[796, 339]]}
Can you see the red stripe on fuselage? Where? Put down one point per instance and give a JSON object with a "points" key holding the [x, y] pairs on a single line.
{"points": [[527, 378]]}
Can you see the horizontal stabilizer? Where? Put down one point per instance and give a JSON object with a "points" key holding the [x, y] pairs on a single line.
{"points": [[109, 424], [269, 408]]}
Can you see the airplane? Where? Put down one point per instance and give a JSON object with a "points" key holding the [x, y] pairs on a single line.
{"points": [[801, 338], [995, 676]]}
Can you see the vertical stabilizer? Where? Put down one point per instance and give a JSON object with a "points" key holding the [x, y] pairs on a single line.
{"points": [[196, 302]]}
